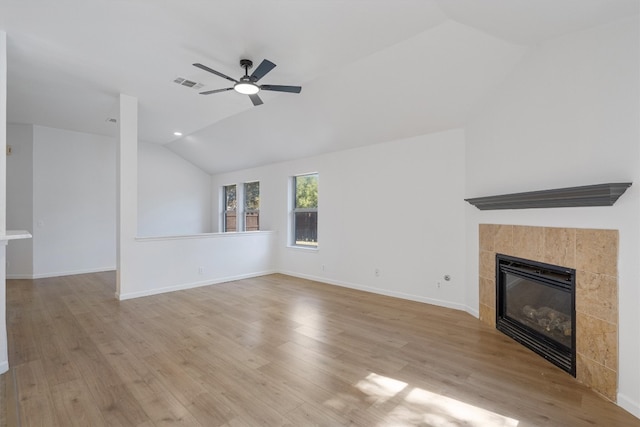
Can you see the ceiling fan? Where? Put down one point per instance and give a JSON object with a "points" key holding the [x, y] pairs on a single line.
{"points": [[247, 85]]}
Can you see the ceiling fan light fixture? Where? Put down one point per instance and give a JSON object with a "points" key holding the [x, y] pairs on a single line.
{"points": [[248, 84], [246, 88]]}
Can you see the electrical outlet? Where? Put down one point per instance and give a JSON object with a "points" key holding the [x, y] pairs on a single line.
{"points": [[376, 272], [200, 270], [324, 267]]}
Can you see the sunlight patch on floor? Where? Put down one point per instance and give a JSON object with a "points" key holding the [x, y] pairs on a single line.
{"points": [[440, 411], [415, 406], [383, 388]]}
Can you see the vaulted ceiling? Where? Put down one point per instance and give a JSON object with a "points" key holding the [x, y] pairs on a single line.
{"points": [[371, 70]]}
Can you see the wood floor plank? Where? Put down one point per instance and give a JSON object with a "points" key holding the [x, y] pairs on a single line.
{"points": [[186, 388], [159, 403], [34, 397], [233, 393], [72, 401], [9, 414], [210, 410], [58, 367], [274, 351]]}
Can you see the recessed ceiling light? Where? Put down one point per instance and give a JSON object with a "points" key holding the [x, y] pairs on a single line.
{"points": [[177, 133]]}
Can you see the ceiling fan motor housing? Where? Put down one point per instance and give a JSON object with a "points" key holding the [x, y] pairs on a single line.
{"points": [[246, 63]]}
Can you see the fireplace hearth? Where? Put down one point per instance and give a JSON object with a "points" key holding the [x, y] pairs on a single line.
{"points": [[535, 305]]}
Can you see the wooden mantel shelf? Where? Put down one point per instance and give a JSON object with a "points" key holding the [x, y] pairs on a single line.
{"points": [[588, 195]]}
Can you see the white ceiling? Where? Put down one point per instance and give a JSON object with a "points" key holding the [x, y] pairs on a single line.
{"points": [[371, 70]]}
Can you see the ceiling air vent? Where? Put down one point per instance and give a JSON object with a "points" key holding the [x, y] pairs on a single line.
{"points": [[188, 83]]}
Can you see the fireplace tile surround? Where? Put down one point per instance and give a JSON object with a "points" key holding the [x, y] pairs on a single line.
{"points": [[594, 255]]}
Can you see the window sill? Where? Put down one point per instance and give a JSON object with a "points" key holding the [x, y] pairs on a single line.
{"points": [[303, 248], [225, 235]]}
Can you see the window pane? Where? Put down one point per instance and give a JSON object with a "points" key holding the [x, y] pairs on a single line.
{"points": [[306, 191], [230, 221], [230, 205], [252, 221], [252, 206], [306, 228], [230, 198], [252, 196]]}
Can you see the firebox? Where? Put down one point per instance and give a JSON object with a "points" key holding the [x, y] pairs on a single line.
{"points": [[536, 307]]}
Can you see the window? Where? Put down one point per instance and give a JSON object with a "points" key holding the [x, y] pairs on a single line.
{"points": [[305, 210], [252, 206], [229, 217]]}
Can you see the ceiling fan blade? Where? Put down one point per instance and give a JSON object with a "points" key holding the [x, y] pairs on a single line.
{"points": [[256, 100], [278, 88], [217, 73], [262, 70], [209, 92]]}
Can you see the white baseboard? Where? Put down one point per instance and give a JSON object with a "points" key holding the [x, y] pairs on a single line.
{"points": [[74, 272], [19, 276], [4, 367], [183, 286], [59, 273], [410, 297], [472, 311], [629, 405]]}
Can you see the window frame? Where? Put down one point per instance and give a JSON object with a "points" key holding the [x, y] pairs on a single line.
{"points": [[294, 210], [226, 211], [246, 211]]}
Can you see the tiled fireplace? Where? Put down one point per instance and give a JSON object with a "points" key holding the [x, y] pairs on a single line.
{"points": [[594, 256]]}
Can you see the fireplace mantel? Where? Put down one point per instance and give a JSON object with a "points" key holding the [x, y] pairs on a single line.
{"points": [[588, 195]]}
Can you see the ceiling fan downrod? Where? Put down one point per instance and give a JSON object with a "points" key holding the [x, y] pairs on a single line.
{"points": [[246, 64]]}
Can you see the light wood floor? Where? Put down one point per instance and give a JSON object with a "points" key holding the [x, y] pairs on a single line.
{"points": [[275, 351]]}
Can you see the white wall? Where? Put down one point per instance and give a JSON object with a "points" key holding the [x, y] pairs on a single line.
{"points": [[148, 266], [165, 264], [569, 115], [397, 207], [4, 357], [61, 186], [175, 196], [20, 199], [73, 202]]}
